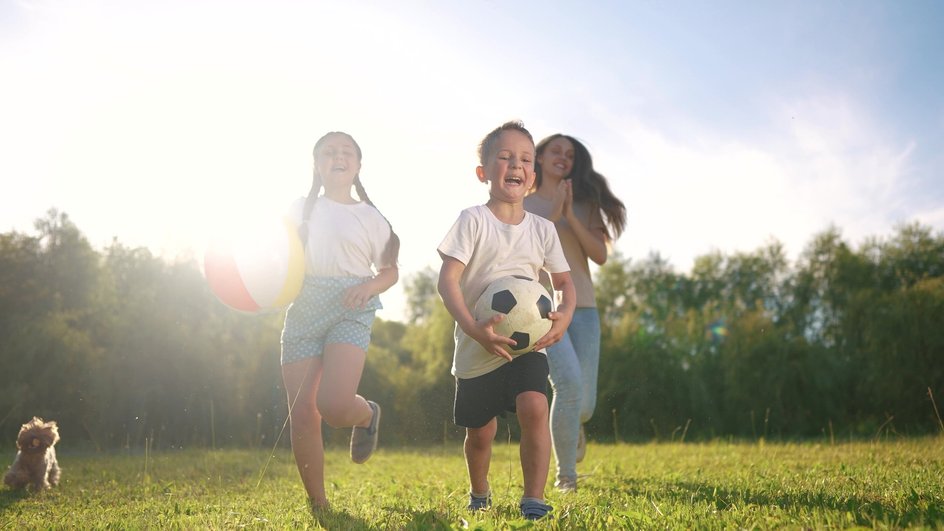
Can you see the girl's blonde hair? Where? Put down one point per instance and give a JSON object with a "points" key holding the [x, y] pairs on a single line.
{"points": [[391, 250]]}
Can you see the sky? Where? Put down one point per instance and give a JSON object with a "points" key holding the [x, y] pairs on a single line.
{"points": [[722, 125]]}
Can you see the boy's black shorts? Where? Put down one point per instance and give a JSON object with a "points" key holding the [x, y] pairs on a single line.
{"points": [[480, 399]]}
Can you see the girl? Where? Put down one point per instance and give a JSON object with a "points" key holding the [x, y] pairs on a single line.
{"points": [[588, 217], [327, 328]]}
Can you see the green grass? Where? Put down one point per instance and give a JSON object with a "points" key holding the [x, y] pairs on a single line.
{"points": [[891, 484]]}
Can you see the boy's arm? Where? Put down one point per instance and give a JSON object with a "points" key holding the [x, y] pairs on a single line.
{"points": [[565, 310], [483, 331]]}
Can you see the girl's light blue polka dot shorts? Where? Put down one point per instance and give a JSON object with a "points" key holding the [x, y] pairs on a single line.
{"points": [[317, 318]]}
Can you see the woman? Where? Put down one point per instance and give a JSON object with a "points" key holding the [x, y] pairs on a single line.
{"points": [[588, 217]]}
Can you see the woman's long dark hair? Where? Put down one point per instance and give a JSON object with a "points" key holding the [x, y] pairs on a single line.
{"points": [[391, 250], [588, 184]]}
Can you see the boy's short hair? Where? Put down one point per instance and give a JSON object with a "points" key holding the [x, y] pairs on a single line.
{"points": [[488, 143]]}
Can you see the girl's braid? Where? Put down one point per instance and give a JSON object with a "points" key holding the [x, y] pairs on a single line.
{"points": [[392, 249]]}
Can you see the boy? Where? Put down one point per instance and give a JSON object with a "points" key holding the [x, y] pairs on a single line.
{"points": [[488, 242]]}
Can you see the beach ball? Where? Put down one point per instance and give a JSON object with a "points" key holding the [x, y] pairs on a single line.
{"points": [[257, 270], [525, 304]]}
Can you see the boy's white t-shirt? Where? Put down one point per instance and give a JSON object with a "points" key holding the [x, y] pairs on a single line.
{"points": [[344, 240], [491, 249]]}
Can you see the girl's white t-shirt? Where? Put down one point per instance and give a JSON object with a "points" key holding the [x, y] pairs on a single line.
{"points": [[491, 249], [344, 240]]}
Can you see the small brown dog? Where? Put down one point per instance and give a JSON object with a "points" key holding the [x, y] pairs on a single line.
{"points": [[35, 462]]}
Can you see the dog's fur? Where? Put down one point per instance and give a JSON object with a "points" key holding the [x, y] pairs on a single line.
{"points": [[35, 462]]}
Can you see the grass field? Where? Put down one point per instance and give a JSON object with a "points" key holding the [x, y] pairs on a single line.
{"points": [[891, 484]]}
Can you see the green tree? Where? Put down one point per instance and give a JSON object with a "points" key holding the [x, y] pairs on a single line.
{"points": [[50, 289]]}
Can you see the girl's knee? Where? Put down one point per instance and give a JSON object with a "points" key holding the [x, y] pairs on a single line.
{"points": [[335, 415], [305, 417]]}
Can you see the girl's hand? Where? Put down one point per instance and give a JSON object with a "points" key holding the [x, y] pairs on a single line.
{"points": [[356, 297], [559, 323], [484, 334]]}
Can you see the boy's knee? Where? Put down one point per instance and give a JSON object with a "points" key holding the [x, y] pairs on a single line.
{"points": [[532, 406], [532, 401], [481, 436]]}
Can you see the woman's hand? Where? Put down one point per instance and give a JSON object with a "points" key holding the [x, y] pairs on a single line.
{"points": [[561, 192], [567, 205], [592, 241]]}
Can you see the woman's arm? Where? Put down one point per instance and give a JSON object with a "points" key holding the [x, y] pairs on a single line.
{"points": [[593, 241]]}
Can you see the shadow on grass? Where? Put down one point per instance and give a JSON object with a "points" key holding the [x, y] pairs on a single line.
{"points": [[409, 519], [920, 510], [332, 519], [421, 520], [9, 497], [417, 520]]}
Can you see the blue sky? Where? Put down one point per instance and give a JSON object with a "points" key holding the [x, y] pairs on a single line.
{"points": [[722, 125]]}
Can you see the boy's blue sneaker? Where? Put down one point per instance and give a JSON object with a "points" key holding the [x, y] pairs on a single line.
{"points": [[479, 503], [534, 509]]}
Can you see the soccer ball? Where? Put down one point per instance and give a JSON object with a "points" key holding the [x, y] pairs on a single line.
{"points": [[524, 303]]}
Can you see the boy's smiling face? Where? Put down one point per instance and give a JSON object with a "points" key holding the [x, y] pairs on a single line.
{"points": [[509, 168]]}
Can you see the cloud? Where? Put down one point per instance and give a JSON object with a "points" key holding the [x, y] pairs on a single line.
{"points": [[846, 168], [820, 161], [146, 139]]}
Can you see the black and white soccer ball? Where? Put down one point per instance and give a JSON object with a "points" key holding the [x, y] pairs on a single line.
{"points": [[525, 304]]}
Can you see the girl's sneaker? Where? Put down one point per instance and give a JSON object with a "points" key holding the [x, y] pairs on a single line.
{"points": [[364, 440]]}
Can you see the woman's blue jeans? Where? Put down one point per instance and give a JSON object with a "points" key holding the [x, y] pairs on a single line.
{"points": [[574, 362]]}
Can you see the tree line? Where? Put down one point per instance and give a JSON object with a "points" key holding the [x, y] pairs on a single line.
{"points": [[125, 349]]}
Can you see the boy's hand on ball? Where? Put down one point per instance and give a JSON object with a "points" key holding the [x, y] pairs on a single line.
{"points": [[559, 323], [493, 343]]}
